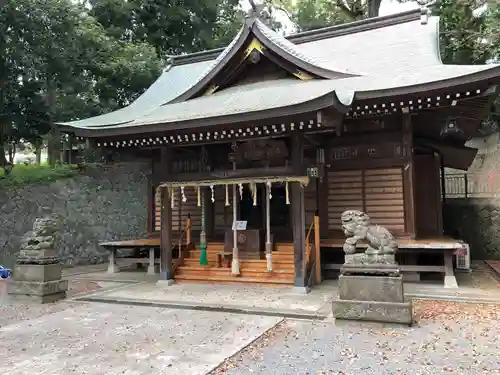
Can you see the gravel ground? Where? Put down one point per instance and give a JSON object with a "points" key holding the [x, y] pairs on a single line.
{"points": [[16, 312], [450, 338], [96, 339]]}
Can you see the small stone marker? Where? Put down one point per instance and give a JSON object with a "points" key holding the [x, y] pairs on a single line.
{"points": [[37, 273], [370, 284]]}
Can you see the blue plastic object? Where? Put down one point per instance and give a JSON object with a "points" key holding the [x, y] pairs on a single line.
{"points": [[5, 273]]}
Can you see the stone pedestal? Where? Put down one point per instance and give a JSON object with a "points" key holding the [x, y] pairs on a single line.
{"points": [[372, 297], [37, 275], [39, 283]]}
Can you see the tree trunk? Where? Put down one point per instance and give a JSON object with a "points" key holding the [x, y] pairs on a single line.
{"points": [[12, 152], [54, 136], [3, 159], [38, 152]]}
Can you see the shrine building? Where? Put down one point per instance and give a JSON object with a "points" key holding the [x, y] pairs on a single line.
{"points": [[256, 149]]}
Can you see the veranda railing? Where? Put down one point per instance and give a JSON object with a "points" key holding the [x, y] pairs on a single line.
{"points": [[472, 185]]}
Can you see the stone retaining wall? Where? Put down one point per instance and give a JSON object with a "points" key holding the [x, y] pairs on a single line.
{"points": [[476, 221], [104, 203]]}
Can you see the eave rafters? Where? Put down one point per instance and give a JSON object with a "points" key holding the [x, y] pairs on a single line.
{"points": [[226, 134], [389, 106]]}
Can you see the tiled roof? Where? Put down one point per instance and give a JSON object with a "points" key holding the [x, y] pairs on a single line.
{"points": [[388, 54], [257, 98]]}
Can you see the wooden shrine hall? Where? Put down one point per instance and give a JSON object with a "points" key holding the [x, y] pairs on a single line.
{"points": [[256, 149]]}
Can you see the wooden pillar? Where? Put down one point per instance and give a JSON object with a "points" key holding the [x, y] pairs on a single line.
{"points": [[298, 215], [409, 176], [151, 205], [439, 186], [235, 266], [298, 223], [70, 149], [166, 267], [203, 234], [269, 245]]}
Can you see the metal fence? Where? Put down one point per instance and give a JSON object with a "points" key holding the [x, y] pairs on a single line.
{"points": [[472, 185]]}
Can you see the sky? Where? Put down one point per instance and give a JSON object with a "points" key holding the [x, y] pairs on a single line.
{"points": [[387, 7], [392, 6]]}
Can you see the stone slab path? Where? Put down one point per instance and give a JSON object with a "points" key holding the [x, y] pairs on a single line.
{"points": [[230, 298], [274, 301], [103, 339]]}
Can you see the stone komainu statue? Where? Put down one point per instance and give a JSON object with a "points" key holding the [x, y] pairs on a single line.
{"points": [[36, 244], [381, 243]]}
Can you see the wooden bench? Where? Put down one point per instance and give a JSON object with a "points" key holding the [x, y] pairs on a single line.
{"points": [[146, 243], [448, 247], [227, 256]]}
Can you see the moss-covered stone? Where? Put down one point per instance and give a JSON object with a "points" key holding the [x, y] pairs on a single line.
{"points": [[104, 203], [475, 221]]}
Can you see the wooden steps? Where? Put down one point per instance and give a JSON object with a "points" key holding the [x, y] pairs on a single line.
{"points": [[244, 272], [251, 270], [232, 280]]}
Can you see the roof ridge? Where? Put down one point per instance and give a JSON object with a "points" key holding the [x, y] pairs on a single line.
{"points": [[317, 34]]}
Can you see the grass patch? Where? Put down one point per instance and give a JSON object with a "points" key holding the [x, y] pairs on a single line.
{"points": [[35, 174]]}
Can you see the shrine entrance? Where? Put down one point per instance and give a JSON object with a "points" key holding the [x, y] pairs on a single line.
{"points": [[255, 214]]}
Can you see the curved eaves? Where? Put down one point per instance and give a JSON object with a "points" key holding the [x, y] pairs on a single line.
{"points": [[169, 85], [259, 102], [215, 67], [439, 78], [434, 21]]}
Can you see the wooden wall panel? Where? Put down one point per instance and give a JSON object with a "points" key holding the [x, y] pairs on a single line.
{"points": [[428, 210], [378, 192], [180, 210], [345, 192], [384, 199]]}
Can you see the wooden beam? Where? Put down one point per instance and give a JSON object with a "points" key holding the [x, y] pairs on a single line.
{"points": [[166, 268], [298, 216], [409, 176], [151, 206]]}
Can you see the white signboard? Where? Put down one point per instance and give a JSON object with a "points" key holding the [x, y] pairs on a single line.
{"points": [[240, 225]]}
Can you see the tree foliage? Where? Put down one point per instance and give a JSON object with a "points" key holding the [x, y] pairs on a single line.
{"points": [[63, 60], [172, 27]]}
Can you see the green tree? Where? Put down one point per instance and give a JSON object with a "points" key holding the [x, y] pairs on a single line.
{"points": [[172, 27], [314, 14], [58, 62]]}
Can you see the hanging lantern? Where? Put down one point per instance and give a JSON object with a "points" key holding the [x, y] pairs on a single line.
{"points": [[227, 195], [184, 199], [212, 190], [287, 193]]}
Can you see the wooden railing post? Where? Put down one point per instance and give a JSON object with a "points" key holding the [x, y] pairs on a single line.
{"points": [[466, 183], [188, 230], [317, 248]]}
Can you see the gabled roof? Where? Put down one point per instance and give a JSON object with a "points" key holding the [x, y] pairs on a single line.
{"points": [[378, 57]]}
